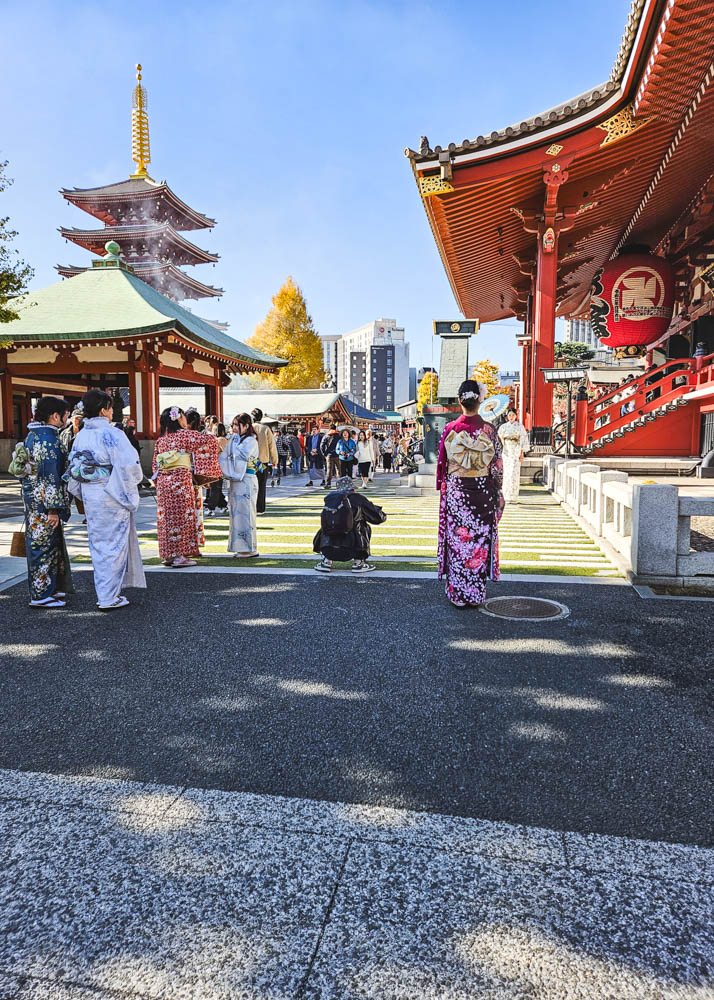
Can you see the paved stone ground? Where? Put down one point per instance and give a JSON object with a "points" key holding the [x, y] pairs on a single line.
{"points": [[122, 890]]}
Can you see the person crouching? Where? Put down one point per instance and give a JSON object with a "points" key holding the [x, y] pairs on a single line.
{"points": [[345, 530]]}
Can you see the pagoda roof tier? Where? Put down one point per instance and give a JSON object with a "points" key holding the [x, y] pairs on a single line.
{"points": [[628, 161], [163, 276], [137, 200], [151, 241], [109, 303]]}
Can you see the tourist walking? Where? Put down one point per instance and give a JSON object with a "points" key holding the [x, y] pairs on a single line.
{"points": [[346, 451], [104, 472], [178, 451], [345, 528], [267, 456], [71, 429], [314, 457], [386, 450], [469, 475], [283, 446], [364, 457], [295, 453], [374, 447], [216, 500], [514, 441], [39, 463], [239, 460], [328, 448]]}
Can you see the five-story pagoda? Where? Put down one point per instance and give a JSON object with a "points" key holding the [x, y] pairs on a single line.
{"points": [[146, 218]]}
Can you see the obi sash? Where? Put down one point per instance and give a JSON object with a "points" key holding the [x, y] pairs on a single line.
{"points": [[468, 456], [167, 461], [84, 468]]}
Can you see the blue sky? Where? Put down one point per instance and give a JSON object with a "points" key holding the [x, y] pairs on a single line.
{"points": [[286, 122]]}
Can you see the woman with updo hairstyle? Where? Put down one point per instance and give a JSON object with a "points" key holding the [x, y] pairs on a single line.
{"points": [[182, 459], [104, 473], [39, 463], [239, 462], [469, 476]]}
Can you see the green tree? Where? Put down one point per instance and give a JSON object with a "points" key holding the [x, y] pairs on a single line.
{"points": [[14, 272], [428, 391], [486, 373], [574, 351], [287, 332]]}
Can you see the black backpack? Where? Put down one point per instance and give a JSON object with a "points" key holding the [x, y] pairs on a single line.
{"points": [[337, 517]]}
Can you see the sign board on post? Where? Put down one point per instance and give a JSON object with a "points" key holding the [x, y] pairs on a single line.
{"points": [[454, 365]]}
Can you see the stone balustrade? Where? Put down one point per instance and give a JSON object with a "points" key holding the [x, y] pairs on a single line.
{"points": [[647, 525]]}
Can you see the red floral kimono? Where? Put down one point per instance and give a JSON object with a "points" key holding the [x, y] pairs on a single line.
{"points": [[469, 474], [177, 514]]}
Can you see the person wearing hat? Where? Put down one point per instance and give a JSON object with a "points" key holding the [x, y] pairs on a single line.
{"points": [[345, 528], [71, 429]]}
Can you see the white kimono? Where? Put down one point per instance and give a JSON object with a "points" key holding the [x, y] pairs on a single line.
{"points": [[514, 440], [104, 472], [238, 462]]}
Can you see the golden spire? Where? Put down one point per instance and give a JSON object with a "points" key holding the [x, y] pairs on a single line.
{"points": [[140, 150]]}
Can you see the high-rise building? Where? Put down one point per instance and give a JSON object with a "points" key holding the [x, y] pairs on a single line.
{"points": [[372, 364], [580, 331], [329, 354]]}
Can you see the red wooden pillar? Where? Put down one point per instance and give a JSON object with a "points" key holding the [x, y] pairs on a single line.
{"points": [[544, 326], [7, 422]]}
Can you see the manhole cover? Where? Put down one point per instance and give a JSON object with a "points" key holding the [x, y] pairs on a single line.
{"points": [[525, 609]]}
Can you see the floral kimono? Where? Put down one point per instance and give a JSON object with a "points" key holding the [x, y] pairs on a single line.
{"points": [[43, 493], [104, 472], [514, 441], [239, 464], [175, 456], [469, 476]]}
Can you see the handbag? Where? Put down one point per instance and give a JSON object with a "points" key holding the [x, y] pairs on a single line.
{"points": [[17, 544]]}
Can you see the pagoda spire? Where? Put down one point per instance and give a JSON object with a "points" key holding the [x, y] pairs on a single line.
{"points": [[140, 149]]}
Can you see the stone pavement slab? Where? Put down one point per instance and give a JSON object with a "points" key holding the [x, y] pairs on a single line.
{"points": [[245, 896]]}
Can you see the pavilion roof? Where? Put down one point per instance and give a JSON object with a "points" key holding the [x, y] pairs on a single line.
{"points": [[634, 153], [108, 303], [140, 198], [149, 239], [162, 275]]}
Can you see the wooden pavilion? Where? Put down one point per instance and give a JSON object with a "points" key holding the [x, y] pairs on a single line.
{"points": [[108, 328], [525, 217]]}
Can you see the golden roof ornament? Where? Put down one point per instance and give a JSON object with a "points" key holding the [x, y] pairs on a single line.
{"points": [[140, 149]]}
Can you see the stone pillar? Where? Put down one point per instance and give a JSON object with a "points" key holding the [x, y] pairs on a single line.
{"points": [[655, 517]]}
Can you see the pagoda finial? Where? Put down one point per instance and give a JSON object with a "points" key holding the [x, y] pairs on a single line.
{"points": [[140, 150]]}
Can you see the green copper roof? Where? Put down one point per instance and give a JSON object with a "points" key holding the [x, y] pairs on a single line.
{"points": [[111, 302]]}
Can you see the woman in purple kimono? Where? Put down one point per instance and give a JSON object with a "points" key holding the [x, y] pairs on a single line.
{"points": [[469, 475]]}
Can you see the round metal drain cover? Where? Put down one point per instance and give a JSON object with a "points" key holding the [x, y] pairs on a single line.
{"points": [[525, 609]]}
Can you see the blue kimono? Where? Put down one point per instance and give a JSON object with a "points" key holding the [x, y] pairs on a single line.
{"points": [[44, 492]]}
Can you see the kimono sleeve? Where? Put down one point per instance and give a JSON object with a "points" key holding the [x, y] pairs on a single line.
{"points": [[123, 483], [495, 470], [205, 460], [53, 495], [441, 461]]}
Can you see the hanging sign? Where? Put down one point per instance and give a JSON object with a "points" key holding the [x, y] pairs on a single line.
{"points": [[632, 301]]}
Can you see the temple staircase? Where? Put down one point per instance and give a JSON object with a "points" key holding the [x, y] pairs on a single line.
{"points": [[654, 414]]}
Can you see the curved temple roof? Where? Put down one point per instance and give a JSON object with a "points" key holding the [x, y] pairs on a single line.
{"points": [[110, 303], [632, 157], [137, 196]]}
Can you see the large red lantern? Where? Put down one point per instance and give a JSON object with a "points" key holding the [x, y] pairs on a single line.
{"points": [[631, 302]]}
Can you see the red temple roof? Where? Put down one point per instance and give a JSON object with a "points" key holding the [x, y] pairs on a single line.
{"points": [[633, 154], [152, 241], [137, 200]]}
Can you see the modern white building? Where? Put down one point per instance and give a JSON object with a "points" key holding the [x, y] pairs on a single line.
{"points": [[372, 364], [580, 331], [329, 354]]}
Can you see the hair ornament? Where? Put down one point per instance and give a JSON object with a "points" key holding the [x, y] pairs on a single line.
{"points": [[191, 409], [468, 395], [174, 413]]}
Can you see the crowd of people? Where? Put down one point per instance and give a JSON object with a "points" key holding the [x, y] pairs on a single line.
{"points": [[89, 459]]}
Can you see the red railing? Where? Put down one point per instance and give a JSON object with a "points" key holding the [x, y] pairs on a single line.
{"points": [[640, 395]]}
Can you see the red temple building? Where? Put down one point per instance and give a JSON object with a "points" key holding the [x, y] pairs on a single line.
{"points": [[146, 218], [526, 219]]}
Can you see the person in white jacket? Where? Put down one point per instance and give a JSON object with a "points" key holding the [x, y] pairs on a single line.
{"points": [[365, 457], [374, 445]]}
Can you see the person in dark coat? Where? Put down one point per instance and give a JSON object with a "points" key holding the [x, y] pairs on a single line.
{"points": [[353, 543], [313, 456]]}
